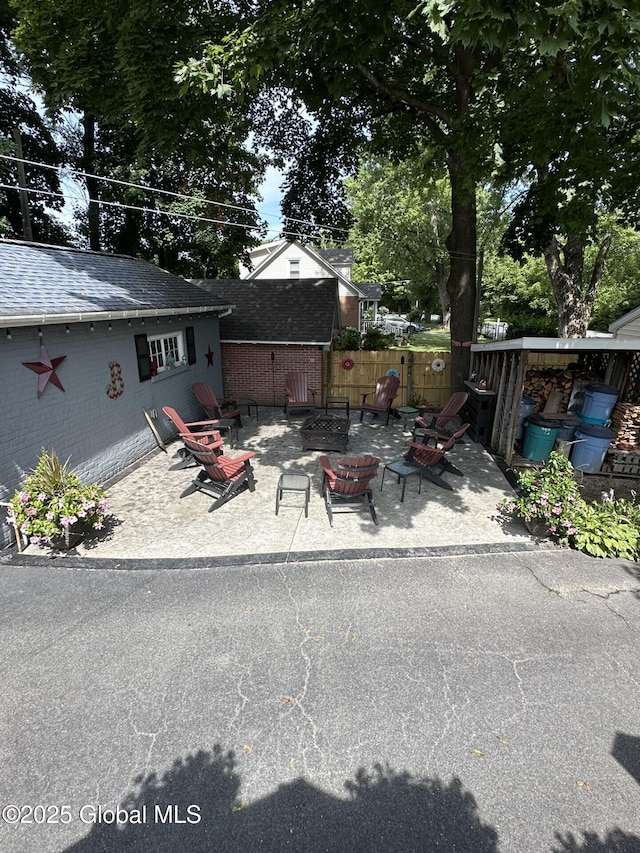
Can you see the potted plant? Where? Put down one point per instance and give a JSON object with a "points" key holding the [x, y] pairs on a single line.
{"points": [[53, 507]]}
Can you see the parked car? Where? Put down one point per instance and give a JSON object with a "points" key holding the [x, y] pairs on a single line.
{"points": [[397, 324]]}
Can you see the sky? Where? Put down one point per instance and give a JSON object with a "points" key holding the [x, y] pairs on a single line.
{"points": [[269, 207]]}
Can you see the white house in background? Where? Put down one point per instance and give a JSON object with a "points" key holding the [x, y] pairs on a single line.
{"points": [[627, 326], [285, 259]]}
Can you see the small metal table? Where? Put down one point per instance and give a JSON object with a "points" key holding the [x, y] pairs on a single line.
{"points": [[337, 403], [406, 412], [226, 425], [294, 483], [248, 402], [403, 470]]}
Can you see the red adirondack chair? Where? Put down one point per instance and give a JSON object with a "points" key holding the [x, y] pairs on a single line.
{"points": [[386, 390], [432, 461], [297, 394], [221, 476], [348, 488], [204, 431], [211, 406], [438, 420]]}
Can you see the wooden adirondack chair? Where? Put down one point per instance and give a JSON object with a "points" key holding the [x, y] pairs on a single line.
{"points": [[297, 394], [386, 390], [432, 461], [221, 476], [211, 406], [437, 421], [348, 488], [204, 431]]}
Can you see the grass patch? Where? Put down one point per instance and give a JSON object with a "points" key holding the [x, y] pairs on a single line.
{"points": [[433, 340]]}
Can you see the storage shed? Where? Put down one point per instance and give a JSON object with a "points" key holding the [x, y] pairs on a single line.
{"points": [[547, 370]]}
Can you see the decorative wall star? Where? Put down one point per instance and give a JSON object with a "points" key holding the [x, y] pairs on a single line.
{"points": [[46, 369], [209, 356]]}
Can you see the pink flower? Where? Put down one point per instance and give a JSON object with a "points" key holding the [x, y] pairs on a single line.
{"points": [[31, 510], [98, 525], [66, 520], [23, 497], [42, 496]]}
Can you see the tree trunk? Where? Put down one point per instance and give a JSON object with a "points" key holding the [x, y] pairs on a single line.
{"points": [[88, 165], [565, 265], [461, 286]]}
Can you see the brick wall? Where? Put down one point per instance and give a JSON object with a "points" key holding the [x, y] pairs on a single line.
{"points": [[248, 370], [349, 311], [103, 436]]}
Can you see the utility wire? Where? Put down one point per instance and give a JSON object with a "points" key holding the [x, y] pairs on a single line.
{"points": [[158, 190], [153, 210]]}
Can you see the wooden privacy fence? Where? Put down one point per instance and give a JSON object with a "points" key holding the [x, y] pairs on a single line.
{"points": [[352, 374]]}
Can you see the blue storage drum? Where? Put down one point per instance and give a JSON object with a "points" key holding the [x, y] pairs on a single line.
{"points": [[527, 407], [598, 404], [592, 443]]}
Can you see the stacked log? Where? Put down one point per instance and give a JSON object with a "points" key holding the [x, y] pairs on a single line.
{"points": [[540, 382], [625, 421]]}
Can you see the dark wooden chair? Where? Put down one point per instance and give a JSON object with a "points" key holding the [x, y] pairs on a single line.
{"points": [[297, 394], [432, 461], [221, 477], [348, 488], [438, 421], [384, 395], [211, 406]]}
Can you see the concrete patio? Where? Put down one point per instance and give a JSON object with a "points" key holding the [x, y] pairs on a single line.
{"points": [[153, 522]]}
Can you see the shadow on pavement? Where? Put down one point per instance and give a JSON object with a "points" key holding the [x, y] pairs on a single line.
{"points": [[196, 806], [381, 811]]}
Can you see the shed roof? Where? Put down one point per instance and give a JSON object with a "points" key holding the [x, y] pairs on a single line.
{"points": [[336, 257], [560, 345], [42, 284], [290, 311]]}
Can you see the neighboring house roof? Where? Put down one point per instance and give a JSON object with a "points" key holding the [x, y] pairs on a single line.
{"points": [[371, 290], [53, 284], [337, 257], [629, 317], [277, 311], [268, 253]]}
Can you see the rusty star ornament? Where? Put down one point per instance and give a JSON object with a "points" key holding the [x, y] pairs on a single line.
{"points": [[46, 369]]}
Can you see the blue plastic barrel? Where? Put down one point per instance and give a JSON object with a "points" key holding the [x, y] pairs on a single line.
{"points": [[539, 438], [527, 407], [592, 443], [594, 421], [599, 401]]}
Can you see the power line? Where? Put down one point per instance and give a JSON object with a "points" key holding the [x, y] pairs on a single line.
{"points": [[159, 190], [154, 210]]}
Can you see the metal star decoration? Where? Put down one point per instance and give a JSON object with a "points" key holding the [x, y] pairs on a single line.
{"points": [[46, 369], [209, 356]]}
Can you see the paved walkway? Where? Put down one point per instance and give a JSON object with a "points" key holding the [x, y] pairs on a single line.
{"points": [[155, 523]]}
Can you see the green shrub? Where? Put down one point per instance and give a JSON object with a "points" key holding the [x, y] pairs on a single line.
{"points": [[375, 339], [348, 340]]}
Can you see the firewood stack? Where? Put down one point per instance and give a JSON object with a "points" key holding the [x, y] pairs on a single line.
{"points": [[625, 421], [540, 382]]}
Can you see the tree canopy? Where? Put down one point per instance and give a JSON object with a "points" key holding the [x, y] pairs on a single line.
{"points": [[113, 65], [397, 76]]}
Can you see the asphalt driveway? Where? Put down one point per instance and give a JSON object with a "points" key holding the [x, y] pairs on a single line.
{"points": [[461, 703]]}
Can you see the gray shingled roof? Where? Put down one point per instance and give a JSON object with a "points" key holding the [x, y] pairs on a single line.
{"points": [[277, 310], [48, 284], [336, 257], [370, 289]]}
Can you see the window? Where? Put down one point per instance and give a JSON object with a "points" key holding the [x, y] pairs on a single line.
{"points": [[167, 350], [294, 268]]}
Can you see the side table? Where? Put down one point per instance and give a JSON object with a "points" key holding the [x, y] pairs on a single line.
{"points": [[403, 470], [337, 403], [406, 412], [294, 483]]}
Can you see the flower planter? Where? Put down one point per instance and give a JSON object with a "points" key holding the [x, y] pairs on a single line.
{"points": [[72, 537]]}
